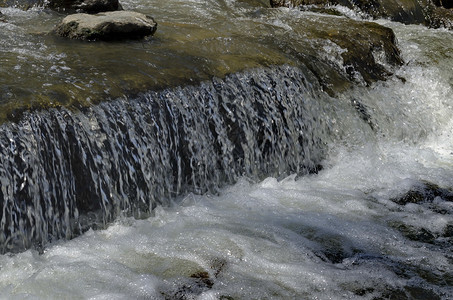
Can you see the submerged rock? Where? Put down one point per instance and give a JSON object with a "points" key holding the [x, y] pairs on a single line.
{"points": [[85, 6], [424, 192], [107, 26]]}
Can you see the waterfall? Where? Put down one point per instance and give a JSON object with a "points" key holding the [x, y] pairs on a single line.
{"points": [[63, 172]]}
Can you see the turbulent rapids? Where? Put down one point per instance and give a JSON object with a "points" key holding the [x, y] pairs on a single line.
{"points": [[63, 172], [242, 152]]}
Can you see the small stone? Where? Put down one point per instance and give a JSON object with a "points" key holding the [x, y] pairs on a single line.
{"points": [[116, 25]]}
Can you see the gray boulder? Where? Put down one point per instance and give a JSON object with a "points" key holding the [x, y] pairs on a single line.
{"points": [[115, 25]]}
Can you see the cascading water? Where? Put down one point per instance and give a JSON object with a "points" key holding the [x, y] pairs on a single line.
{"points": [[204, 169], [63, 171]]}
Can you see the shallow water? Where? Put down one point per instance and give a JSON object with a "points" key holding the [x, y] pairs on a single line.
{"points": [[338, 234], [194, 42], [41, 70]]}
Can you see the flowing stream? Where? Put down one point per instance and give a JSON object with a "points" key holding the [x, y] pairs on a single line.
{"points": [[254, 184]]}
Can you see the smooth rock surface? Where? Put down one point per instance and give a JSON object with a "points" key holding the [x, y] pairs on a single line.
{"points": [[116, 25]]}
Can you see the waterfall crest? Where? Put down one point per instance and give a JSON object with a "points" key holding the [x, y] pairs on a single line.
{"points": [[62, 172]]}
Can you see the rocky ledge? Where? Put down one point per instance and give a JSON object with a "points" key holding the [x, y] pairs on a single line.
{"points": [[432, 13], [107, 26]]}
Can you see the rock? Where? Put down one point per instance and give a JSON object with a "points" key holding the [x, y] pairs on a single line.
{"points": [[84, 6], [361, 44], [443, 3], [405, 11], [441, 17], [67, 6], [21, 4], [424, 192], [257, 3], [116, 25], [433, 13]]}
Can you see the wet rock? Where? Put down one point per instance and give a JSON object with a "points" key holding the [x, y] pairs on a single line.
{"points": [[434, 14], [66, 6], [257, 3], [363, 42], [21, 4], [197, 283], [424, 192], [448, 231], [362, 110], [417, 292], [444, 3], [440, 17], [405, 11], [84, 6], [416, 234], [341, 52], [117, 25]]}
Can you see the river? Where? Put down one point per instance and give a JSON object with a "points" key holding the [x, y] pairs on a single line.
{"points": [[354, 229]]}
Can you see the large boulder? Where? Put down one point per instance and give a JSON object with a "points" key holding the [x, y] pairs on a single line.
{"points": [[116, 25], [84, 6]]}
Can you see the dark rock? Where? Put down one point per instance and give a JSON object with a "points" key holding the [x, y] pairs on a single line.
{"points": [[444, 3], [257, 3], [434, 13], [362, 110], [448, 231], [365, 52], [417, 292], [67, 6], [21, 4], [362, 45], [424, 192], [439, 17], [84, 6], [197, 283], [116, 25]]}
